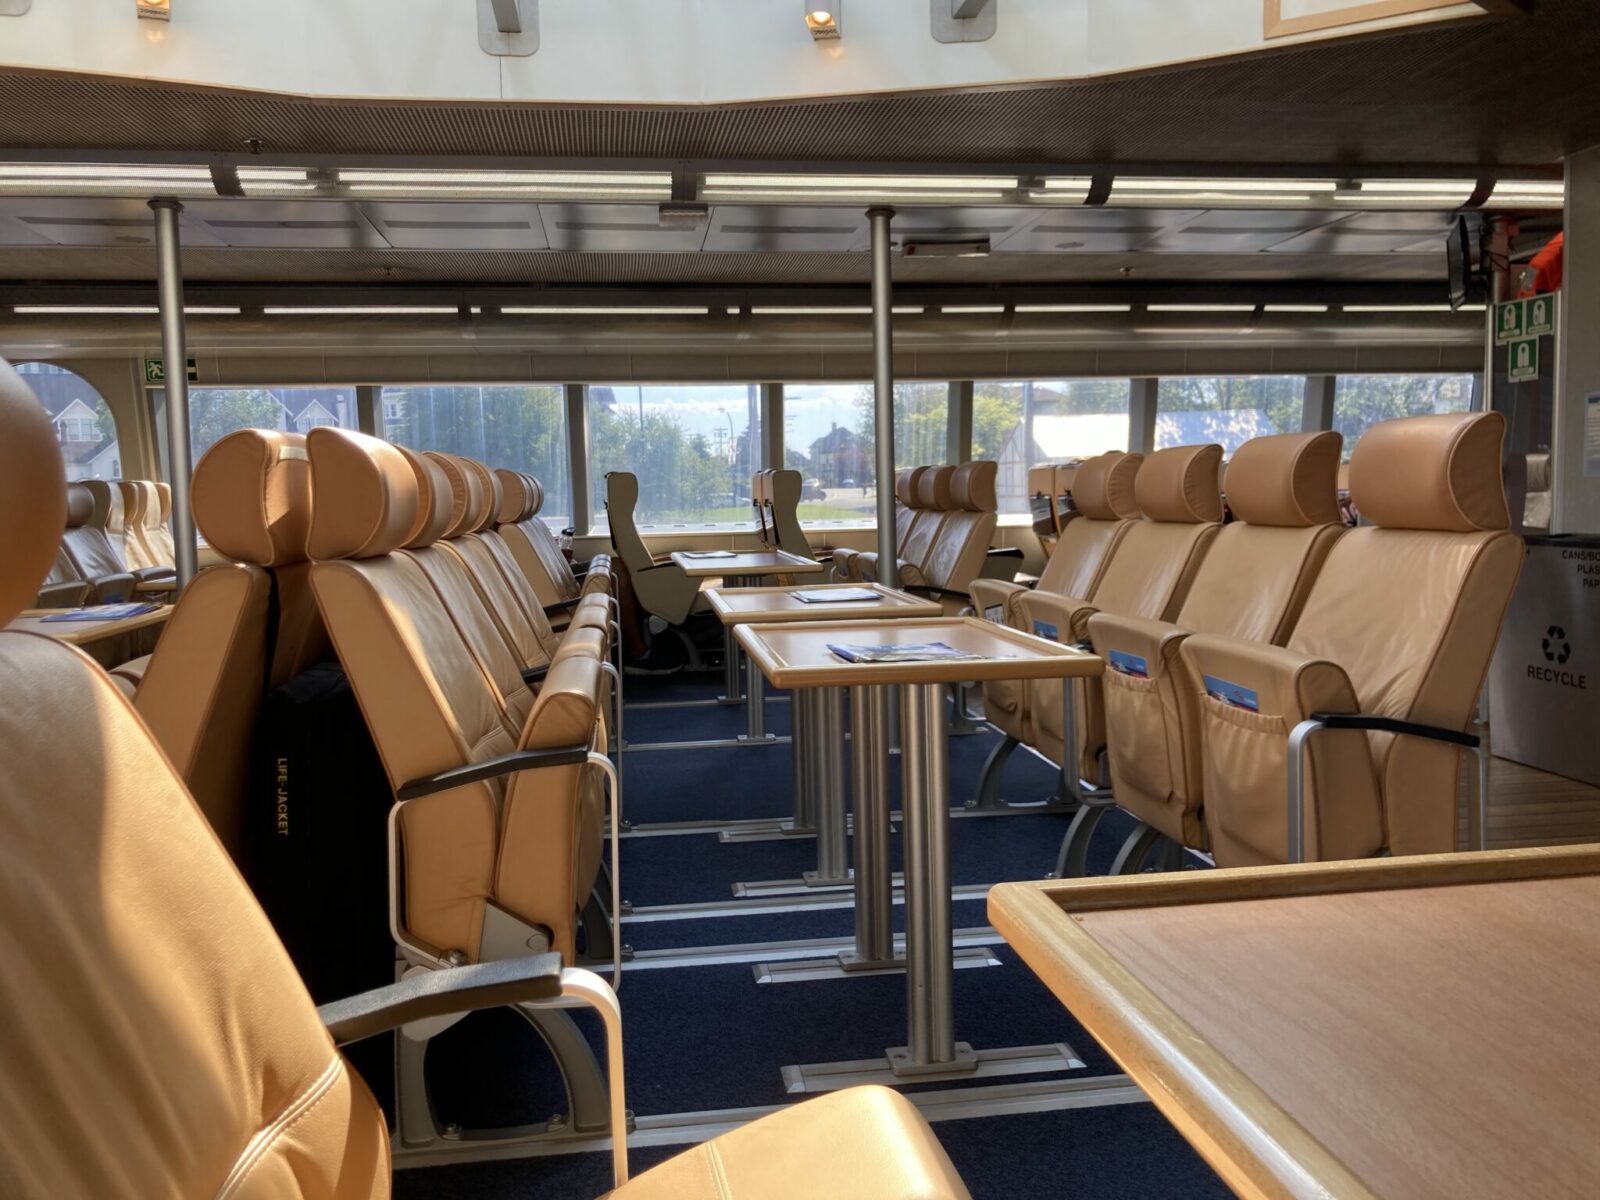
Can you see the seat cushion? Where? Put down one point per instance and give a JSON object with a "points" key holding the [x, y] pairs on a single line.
{"points": [[865, 1143]]}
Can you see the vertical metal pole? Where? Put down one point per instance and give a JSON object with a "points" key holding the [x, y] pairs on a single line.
{"points": [[869, 761], [915, 805], [755, 702], [939, 971], [802, 705], [833, 845], [169, 281], [883, 393]]}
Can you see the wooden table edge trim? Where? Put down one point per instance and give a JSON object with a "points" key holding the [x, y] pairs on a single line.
{"points": [[1257, 1148]]}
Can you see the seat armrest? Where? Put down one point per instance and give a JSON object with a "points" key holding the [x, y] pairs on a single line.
{"points": [[69, 593], [535, 674], [154, 574], [1004, 552], [111, 589], [536, 977], [989, 594], [1135, 645], [493, 768], [1371, 723], [1067, 616], [1274, 679]]}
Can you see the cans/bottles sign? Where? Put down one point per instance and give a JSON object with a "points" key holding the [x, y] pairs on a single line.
{"points": [[1522, 360], [155, 370]]}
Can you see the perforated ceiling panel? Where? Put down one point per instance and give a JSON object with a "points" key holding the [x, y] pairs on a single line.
{"points": [[1517, 90]]}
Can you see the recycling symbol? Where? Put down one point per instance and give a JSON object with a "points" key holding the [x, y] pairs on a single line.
{"points": [[1555, 645]]}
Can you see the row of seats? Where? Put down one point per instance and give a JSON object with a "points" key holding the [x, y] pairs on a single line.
{"points": [[1219, 639], [162, 1038], [117, 543], [943, 528], [555, 583]]}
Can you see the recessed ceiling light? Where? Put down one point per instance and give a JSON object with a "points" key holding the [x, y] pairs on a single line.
{"points": [[1073, 308], [972, 308], [835, 188], [813, 310], [1221, 193], [1295, 308], [822, 20], [603, 311], [1200, 308], [1398, 308], [359, 310]]}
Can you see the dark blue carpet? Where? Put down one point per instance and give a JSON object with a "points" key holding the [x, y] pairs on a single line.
{"points": [[711, 1038]]}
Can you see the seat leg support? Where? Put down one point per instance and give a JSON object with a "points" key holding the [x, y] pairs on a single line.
{"points": [[1073, 860], [1147, 849], [987, 794]]}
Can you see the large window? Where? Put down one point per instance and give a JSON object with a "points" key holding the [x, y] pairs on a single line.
{"points": [[1020, 424], [522, 427], [1362, 400], [694, 448], [829, 436], [84, 426], [1229, 409], [214, 413]]}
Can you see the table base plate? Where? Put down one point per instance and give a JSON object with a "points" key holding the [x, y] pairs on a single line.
{"points": [[969, 1064]]}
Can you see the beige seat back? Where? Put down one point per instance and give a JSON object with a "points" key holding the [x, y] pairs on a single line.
{"points": [[958, 553], [241, 627], [110, 515], [846, 561], [662, 589], [89, 548], [529, 539], [783, 489], [156, 528], [1148, 576], [1251, 584], [140, 967], [137, 495]]}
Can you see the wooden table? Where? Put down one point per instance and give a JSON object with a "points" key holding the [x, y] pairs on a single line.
{"points": [[84, 633], [817, 721], [742, 568], [1418, 1027], [796, 655]]}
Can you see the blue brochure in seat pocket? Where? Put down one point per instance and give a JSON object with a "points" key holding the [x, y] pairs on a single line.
{"points": [[1232, 693], [1046, 630], [1128, 664]]}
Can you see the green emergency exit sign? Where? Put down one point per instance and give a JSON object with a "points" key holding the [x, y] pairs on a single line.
{"points": [[1529, 318], [155, 370]]}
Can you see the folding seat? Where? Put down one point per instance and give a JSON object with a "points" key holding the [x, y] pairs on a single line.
{"points": [[906, 482], [109, 516], [241, 627], [1250, 585], [663, 590], [928, 510], [89, 550], [1148, 576], [157, 1037], [1373, 690], [546, 568], [1103, 496]]}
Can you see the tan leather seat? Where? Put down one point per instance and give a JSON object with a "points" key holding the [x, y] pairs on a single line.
{"points": [[661, 587], [1103, 496], [158, 1039], [960, 546], [780, 502], [929, 509], [523, 845], [241, 627], [63, 587], [136, 497], [907, 489], [154, 530], [536, 553], [1148, 576], [1251, 584], [90, 551], [110, 516], [1400, 623]]}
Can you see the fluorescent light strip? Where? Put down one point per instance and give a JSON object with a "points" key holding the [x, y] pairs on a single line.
{"points": [[93, 172], [1398, 308], [1070, 183], [115, 310], [1450, 187], [1295, 308], [1073, 308], [1200, 308], [926, 183], [1253, 199], [1140, 184], [1529, 194], [640, 178], [827, 194], [812, 311], [597, 311], [269, 174], [553, 191], [972, 308], [358, 310]]}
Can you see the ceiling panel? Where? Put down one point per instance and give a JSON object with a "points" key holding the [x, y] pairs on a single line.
{"points": [[768, 228], [616, 228], [1374, 233], [89, 221], [1097, 230], [458, 226], [1237, 231], [286, 224]]}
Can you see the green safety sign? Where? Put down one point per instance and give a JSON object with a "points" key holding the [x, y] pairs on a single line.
{"points": [[1533, 317], [1522, 359], [155, 370]]}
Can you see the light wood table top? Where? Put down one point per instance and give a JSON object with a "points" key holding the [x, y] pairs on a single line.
{"points": [[764, 605], [797, 654], [83, 633], [1417, 1027], [745, 563]]}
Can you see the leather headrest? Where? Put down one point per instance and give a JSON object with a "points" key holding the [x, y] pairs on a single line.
{"points": [[535, 497], [466, 491], [489, 485], [150, 513], [1102, 489], [1287, 479], [107, 498], [933, 488], [33, 493], [164, 494], [515, 497], [1538, 467], [251, 496], [1180, 484], [133, 502], [1066, 477], [972, 487], [1439, 472], [436, 501], [622, 490], [1042, 480], [913, 497], [366, 495], [80, 505], [903, 491]]}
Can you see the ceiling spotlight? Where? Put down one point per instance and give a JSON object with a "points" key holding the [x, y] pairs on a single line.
{"points": [[822, 22], [156, 10], [680, 215]]}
